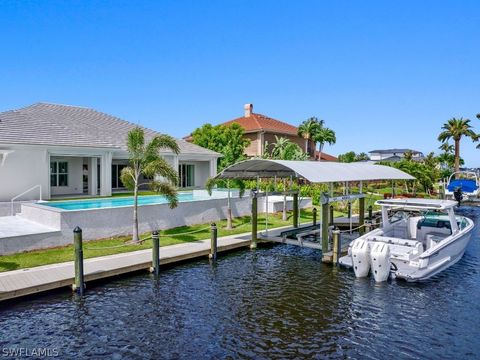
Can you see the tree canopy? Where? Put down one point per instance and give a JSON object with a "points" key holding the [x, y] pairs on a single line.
{"points": [[351, 156], [227, 140]]}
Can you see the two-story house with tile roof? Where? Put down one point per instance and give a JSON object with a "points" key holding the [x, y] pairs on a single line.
{"points": [[261, 129], [71, 150]]}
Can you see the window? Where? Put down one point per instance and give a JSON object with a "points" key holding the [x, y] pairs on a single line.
{"points": [[186, 175], [59, 173]]}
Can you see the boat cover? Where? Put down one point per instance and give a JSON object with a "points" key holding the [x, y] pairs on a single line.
{"points": [[466, 185]]}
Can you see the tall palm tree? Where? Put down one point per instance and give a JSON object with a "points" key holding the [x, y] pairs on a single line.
{"points": [[308, 129], [322, 136], [456, 129], [146, 163]]}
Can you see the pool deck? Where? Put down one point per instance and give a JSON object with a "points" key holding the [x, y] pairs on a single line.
{"points": [[39, 279]]}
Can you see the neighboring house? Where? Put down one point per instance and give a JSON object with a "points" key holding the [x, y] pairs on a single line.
{"points": [[393, 154], [261, 129], [72, 150]]}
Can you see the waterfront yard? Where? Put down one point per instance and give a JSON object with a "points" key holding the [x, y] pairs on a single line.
{"points": [[121, 244]]}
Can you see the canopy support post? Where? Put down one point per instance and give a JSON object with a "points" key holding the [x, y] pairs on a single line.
{"points": [[295, 210], [325, 216]]}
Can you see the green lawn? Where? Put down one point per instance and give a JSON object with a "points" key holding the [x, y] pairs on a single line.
{"points": [[117, 245]]}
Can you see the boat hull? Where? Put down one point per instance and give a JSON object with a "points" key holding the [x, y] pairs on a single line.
{"points": [[439, 261]]}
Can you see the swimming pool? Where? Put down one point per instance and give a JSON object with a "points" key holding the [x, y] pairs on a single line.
{"points": [[120, 201]]}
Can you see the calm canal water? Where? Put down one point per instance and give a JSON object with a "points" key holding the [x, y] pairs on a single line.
{"points": [[276, 302]]}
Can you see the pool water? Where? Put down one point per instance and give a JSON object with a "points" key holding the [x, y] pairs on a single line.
{"points": [[119, 201], [278, 302]]}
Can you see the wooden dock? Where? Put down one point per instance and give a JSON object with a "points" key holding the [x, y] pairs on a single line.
{"points": [[30, 281]]}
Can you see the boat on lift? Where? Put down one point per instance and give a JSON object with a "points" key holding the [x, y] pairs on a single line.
{"points": [[418, 239], [465, 183]]}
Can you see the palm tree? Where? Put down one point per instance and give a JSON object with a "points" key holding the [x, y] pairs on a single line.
{"points": [[280, 148], [284, 149], [146, 163], [308, 129], [456, 129], [322, 136], [446, 148]]}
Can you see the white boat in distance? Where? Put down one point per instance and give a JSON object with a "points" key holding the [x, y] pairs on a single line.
{"points": [[421, 238]]}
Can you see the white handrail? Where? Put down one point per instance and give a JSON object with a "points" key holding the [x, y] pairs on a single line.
{"points": [[25, 192]]}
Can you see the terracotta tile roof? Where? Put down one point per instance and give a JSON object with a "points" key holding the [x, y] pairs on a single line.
{"points": [[258, 122], [325, 156]]}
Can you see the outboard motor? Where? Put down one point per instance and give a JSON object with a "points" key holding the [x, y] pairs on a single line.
{"points": [[457, 194], [361, 258], [380, 258]]}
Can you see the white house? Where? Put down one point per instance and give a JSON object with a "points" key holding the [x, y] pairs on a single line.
{"points": [[393, 154], [72, 150]]}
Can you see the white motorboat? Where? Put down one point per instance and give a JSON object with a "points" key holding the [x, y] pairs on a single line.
{"points": [[466, 183], [418, 238]]}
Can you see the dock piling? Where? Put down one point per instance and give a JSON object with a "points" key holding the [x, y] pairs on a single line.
{"points": [[156, 253], [325, 222], [361, 215], [213, 242], [79, 285], [253, 244], [337, 246], [370, 212], [314, 211], [332, 219]]}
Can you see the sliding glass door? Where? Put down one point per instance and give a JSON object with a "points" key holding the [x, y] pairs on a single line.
{"points": [[186, 174]]}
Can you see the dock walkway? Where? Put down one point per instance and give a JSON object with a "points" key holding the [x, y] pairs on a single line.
{"points": [[23, 282]]}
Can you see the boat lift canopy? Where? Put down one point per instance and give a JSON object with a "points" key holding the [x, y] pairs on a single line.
{"points": [[312, 171]]}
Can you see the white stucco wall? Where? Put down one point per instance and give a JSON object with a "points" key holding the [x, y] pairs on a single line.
{"points": [[105, 223], [29, 165], [22, 169], [75, 176], [202, 173]]}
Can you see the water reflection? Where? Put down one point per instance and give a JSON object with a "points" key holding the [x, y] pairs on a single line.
{"points": [[276, 302]]}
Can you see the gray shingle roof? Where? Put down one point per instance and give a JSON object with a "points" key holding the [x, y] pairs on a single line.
{"points": [[65, 125]]}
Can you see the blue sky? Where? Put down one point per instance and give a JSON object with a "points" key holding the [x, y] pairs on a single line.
{"points": [[380, 73]]}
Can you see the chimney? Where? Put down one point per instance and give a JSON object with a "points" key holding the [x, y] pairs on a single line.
{"points": [[248, 109]]}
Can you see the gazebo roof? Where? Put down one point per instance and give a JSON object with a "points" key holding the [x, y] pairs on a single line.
{"points": [[312, 171]]}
